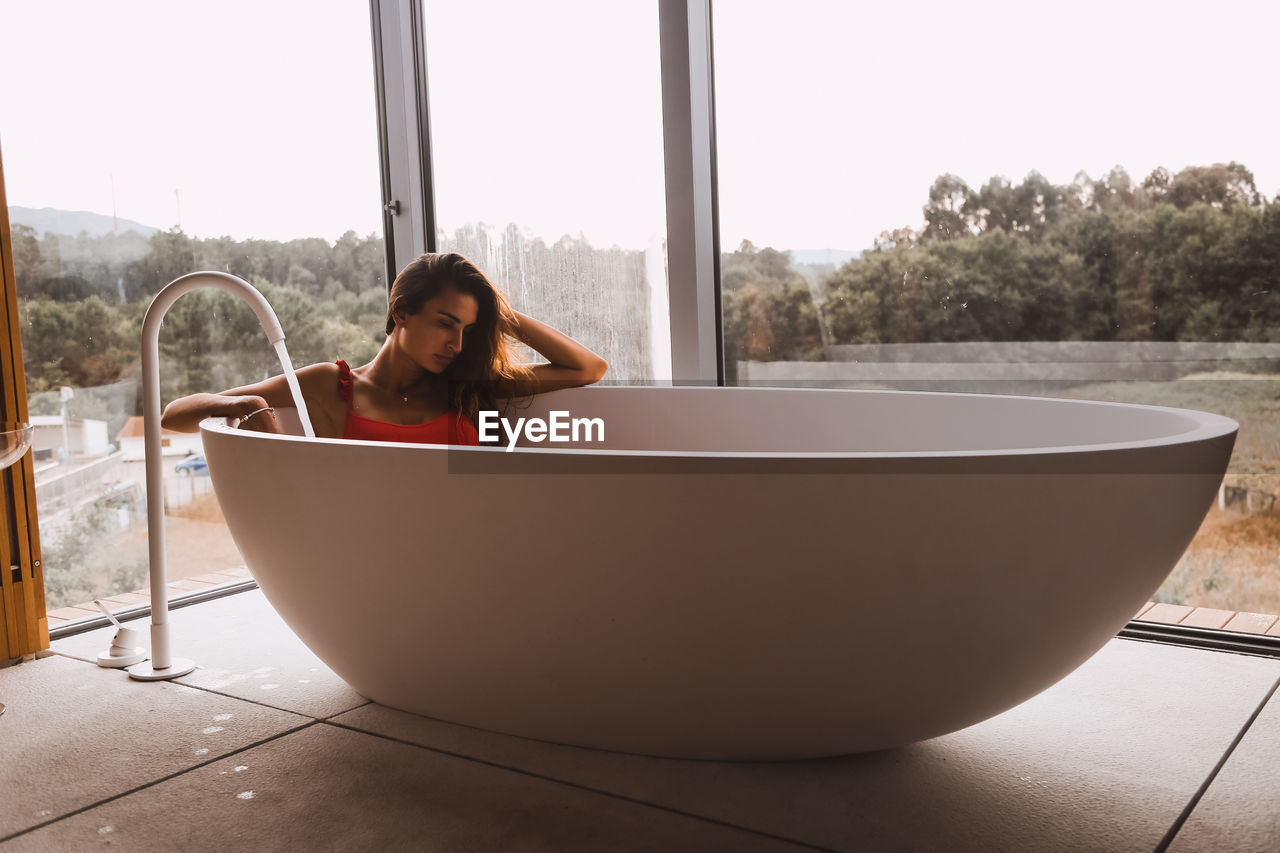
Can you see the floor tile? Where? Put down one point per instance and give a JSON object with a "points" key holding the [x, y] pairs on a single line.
{"points": [[73, 734], [125, 599], [243, 649], [1104, 760], [327, 788], [1207, 617], [191, 585], [73, 613], [1251, 623], [1169, 613], [1241, 809]]}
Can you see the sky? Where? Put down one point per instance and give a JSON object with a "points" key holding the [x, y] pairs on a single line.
{"points": [[257, 119]]}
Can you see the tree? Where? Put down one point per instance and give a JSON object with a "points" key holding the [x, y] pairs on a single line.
{"points": [[1220, 186], [895, 237], [26, 257], [170, 254], [768, 313], [948, 214], [994, 207], [1038, 205]]}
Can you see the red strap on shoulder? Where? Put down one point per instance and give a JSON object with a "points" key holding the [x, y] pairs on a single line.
{"points": [[344, 380], [461, 430]]}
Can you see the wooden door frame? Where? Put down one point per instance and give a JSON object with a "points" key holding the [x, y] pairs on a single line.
{"points": [[24, 624]]}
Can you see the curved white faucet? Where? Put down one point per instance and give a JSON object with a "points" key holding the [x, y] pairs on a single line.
{"points": [[162, 665]]}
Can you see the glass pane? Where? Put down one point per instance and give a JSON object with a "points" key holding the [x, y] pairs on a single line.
{"points": [[241, 138], [1002, 198], [548, 160]]}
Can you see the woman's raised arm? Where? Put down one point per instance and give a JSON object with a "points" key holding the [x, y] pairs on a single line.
{"points": [[571, 364]]}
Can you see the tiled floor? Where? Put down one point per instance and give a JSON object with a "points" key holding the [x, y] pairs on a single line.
{"points": [[1207, 617], [263, 748]]}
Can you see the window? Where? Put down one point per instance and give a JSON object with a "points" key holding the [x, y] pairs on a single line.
{"points": [[1075, 200], [236, 137], [546, 136]]}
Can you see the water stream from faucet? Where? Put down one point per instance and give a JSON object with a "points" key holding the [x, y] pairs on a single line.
{"points": [[294, 389]]}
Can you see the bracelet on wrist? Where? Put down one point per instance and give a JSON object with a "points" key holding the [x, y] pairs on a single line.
{"points": [[256, 412]]}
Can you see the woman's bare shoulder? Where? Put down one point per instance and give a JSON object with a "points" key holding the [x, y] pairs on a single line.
{"points": [[320, 382], [318, 372]]}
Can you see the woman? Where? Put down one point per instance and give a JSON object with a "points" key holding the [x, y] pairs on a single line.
{"points": [[446, 358]]}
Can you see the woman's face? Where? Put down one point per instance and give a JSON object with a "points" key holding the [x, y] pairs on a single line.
{"points": [[435, 335]]}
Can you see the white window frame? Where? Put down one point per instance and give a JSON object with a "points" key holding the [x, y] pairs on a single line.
{"points": [[688, 115]]}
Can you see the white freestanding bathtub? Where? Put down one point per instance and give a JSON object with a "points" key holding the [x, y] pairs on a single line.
{"points": [[735, 573]]}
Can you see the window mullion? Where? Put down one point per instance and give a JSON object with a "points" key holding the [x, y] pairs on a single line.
{"points": [[400, 70], [693, 243]]}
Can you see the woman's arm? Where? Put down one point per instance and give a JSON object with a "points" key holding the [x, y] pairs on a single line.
{"points": [[186, 413], [571, 365]]}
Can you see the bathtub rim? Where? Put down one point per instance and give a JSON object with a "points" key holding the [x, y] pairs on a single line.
{"points": [[1205, 426]]}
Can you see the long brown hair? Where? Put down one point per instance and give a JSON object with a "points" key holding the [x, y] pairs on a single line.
{"points": [[487, 357]]}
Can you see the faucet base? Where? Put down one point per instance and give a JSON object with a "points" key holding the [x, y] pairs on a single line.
{"points": [[177, 668]]}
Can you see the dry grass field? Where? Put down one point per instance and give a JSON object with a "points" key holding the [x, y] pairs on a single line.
{"points": [[1234, 561], [1233, 564], [196, 542]]}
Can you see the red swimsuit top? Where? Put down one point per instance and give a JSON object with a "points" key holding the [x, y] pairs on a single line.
{"points": [[449, 428]]}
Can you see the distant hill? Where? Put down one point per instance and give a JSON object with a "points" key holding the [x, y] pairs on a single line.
{"points": [[48, 220], [822, 257]]}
